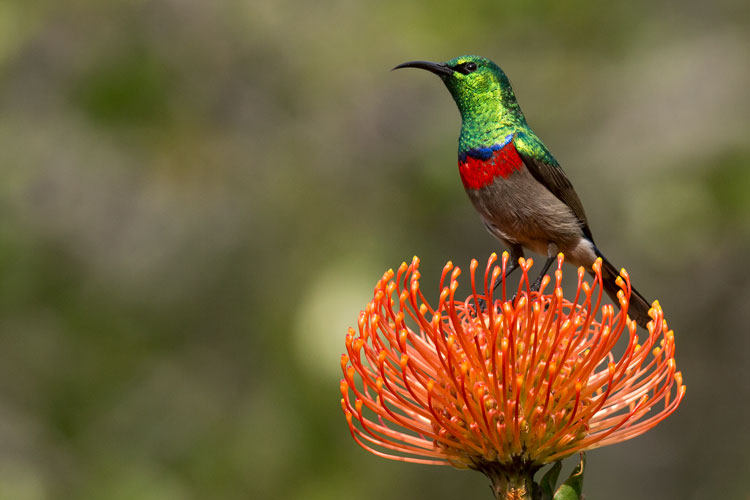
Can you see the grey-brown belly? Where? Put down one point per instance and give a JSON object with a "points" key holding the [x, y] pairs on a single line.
{"points": [[520, 210]]}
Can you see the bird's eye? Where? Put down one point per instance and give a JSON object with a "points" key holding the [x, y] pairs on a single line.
{"points": [[465, 68]]}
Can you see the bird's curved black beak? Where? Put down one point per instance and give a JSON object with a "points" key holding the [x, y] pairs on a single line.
{"points": [[440, 69]]}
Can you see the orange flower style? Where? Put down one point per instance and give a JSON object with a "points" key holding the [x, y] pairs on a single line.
{"points": [[525, 382]]}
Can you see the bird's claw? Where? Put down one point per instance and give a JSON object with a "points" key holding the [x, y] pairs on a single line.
{"points": [[482, 305]]}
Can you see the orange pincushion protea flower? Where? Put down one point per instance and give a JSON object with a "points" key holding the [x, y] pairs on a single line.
{"points": [[522, 383]]}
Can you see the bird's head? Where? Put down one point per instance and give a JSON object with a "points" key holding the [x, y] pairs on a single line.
{"points": [[476, 84]]}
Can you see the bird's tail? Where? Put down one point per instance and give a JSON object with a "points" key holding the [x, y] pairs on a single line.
{"points": [[638, 307]]}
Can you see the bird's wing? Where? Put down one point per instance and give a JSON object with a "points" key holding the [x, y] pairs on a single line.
{"points": [[553, 178]]}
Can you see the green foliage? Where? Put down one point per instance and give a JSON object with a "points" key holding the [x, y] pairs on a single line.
{"points": [[729, 183], [572, 488], [549, 480], [127, 87]]}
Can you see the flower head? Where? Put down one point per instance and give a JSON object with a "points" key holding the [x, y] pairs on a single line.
{"points": [[528, 380]]}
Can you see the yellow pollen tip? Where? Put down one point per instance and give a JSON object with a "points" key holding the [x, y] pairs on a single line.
{"points": [[404, 360]]}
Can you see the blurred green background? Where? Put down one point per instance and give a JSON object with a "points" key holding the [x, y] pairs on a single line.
{"points": [[197, 198]]}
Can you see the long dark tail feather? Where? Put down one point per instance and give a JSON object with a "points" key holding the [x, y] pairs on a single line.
{"points": [[639, 306]]}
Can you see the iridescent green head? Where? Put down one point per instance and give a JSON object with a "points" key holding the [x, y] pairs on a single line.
{"points": [[479, 87]]}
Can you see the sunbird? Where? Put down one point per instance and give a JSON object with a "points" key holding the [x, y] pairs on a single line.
{"points": [[523, 196]]}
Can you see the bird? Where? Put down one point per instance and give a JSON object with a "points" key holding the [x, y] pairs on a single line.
{"points": [[523, 196]]}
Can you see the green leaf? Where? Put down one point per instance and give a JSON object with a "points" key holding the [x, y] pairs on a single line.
{"points": [[572, 488], [549, 480]]}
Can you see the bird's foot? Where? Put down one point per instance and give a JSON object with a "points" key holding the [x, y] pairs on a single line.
{"points": [[536, 284], [482, 304]]}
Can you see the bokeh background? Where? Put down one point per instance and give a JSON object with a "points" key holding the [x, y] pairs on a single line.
{"points": [[197, 198]]}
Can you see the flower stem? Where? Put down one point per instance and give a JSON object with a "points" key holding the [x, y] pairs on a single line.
{"points": [[511, 482]]}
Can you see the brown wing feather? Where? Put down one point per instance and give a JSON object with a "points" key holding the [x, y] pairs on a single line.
{"points": [[554, 179]]}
